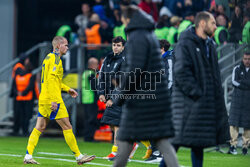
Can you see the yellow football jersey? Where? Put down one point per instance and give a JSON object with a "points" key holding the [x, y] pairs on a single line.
{"points": [[51, 80]]}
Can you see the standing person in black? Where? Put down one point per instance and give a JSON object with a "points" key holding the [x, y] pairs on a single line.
{"points": [[109, 70], [199, 113], [89, 99], [18, 67], [146, 110], [25, 90], [239, 115]]}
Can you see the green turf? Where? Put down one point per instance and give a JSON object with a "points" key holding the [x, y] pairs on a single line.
{"points": [[17, 146]]}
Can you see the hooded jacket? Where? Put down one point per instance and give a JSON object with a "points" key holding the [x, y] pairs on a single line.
{"points": [[146, 110], [199, 113]]}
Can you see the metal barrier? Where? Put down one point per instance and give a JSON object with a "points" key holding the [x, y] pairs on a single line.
{"points": [[230, 56], [227, 62], [45, 48]]}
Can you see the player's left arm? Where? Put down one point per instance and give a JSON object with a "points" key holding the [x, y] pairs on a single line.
{"points": [[73, 93], [69, 90]]}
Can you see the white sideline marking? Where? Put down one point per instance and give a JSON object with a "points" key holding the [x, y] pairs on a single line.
{"points": [[57, 159], [12, 155], [69, 155]]}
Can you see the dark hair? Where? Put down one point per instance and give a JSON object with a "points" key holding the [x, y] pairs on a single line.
{"points": [[119, 39], [201, 16], [164, 44], [246, 53]]}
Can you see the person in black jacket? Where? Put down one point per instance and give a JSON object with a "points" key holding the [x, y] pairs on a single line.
{"points": [[24, 90], [199, 113], [89, 99], [109, 70], [239, 115], [167, 58], [144, 96]]}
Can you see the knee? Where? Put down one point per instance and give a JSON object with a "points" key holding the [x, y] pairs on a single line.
{"points": [[41, 128], [66, 127]]}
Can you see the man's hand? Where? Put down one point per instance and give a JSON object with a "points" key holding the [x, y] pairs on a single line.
{"points": [[53, 106], [73, 93], [109, 103], [102, 98], [114, 83]]}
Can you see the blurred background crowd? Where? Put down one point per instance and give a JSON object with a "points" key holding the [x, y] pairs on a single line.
{"points": [[99, 21]]}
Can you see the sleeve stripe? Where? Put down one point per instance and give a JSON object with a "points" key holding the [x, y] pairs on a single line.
{"points": [[170, 73], [234, 82]]}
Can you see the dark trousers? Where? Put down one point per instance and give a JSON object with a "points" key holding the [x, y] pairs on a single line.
{"points": [[22, 114], [90, 121], [196, 156]]}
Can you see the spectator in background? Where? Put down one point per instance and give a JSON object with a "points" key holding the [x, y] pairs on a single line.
{"points": [[119, 29], [143, 118], [239, 115], [212, 7], [24, 89], [221, 35], [179, 5], [82, 20], [223, 7], [89, 99], [173, 30], [150, 8], [235, 30], [161, 30], [199, 112], [246, 29], [18, 67], [101, 8], [170, 4], [188, 21], [220, 10], [94, 34], [186, 6]]}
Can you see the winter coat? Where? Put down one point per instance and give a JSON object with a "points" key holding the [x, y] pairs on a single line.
{"points": [[111, 66], [239, 114], [146, 107], [199, 113]]}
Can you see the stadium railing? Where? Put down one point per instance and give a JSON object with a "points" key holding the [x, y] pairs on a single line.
{"points": [[230, 55]]}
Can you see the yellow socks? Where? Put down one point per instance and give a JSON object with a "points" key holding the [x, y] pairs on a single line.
{"points": [[33, 140], [146, 144], [71, 141], [114, 149]]}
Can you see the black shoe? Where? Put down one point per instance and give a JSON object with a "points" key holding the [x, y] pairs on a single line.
{"points": [[244, 151], [232, 150]]}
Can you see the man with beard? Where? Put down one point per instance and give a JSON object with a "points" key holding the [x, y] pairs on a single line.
{"points": [[199, 112]]}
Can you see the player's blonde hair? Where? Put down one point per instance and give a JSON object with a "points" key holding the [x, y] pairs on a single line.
{"points": [[57, 40]]}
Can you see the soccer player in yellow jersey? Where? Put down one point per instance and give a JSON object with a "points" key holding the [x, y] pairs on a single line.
{"points": [[51, 105]]}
